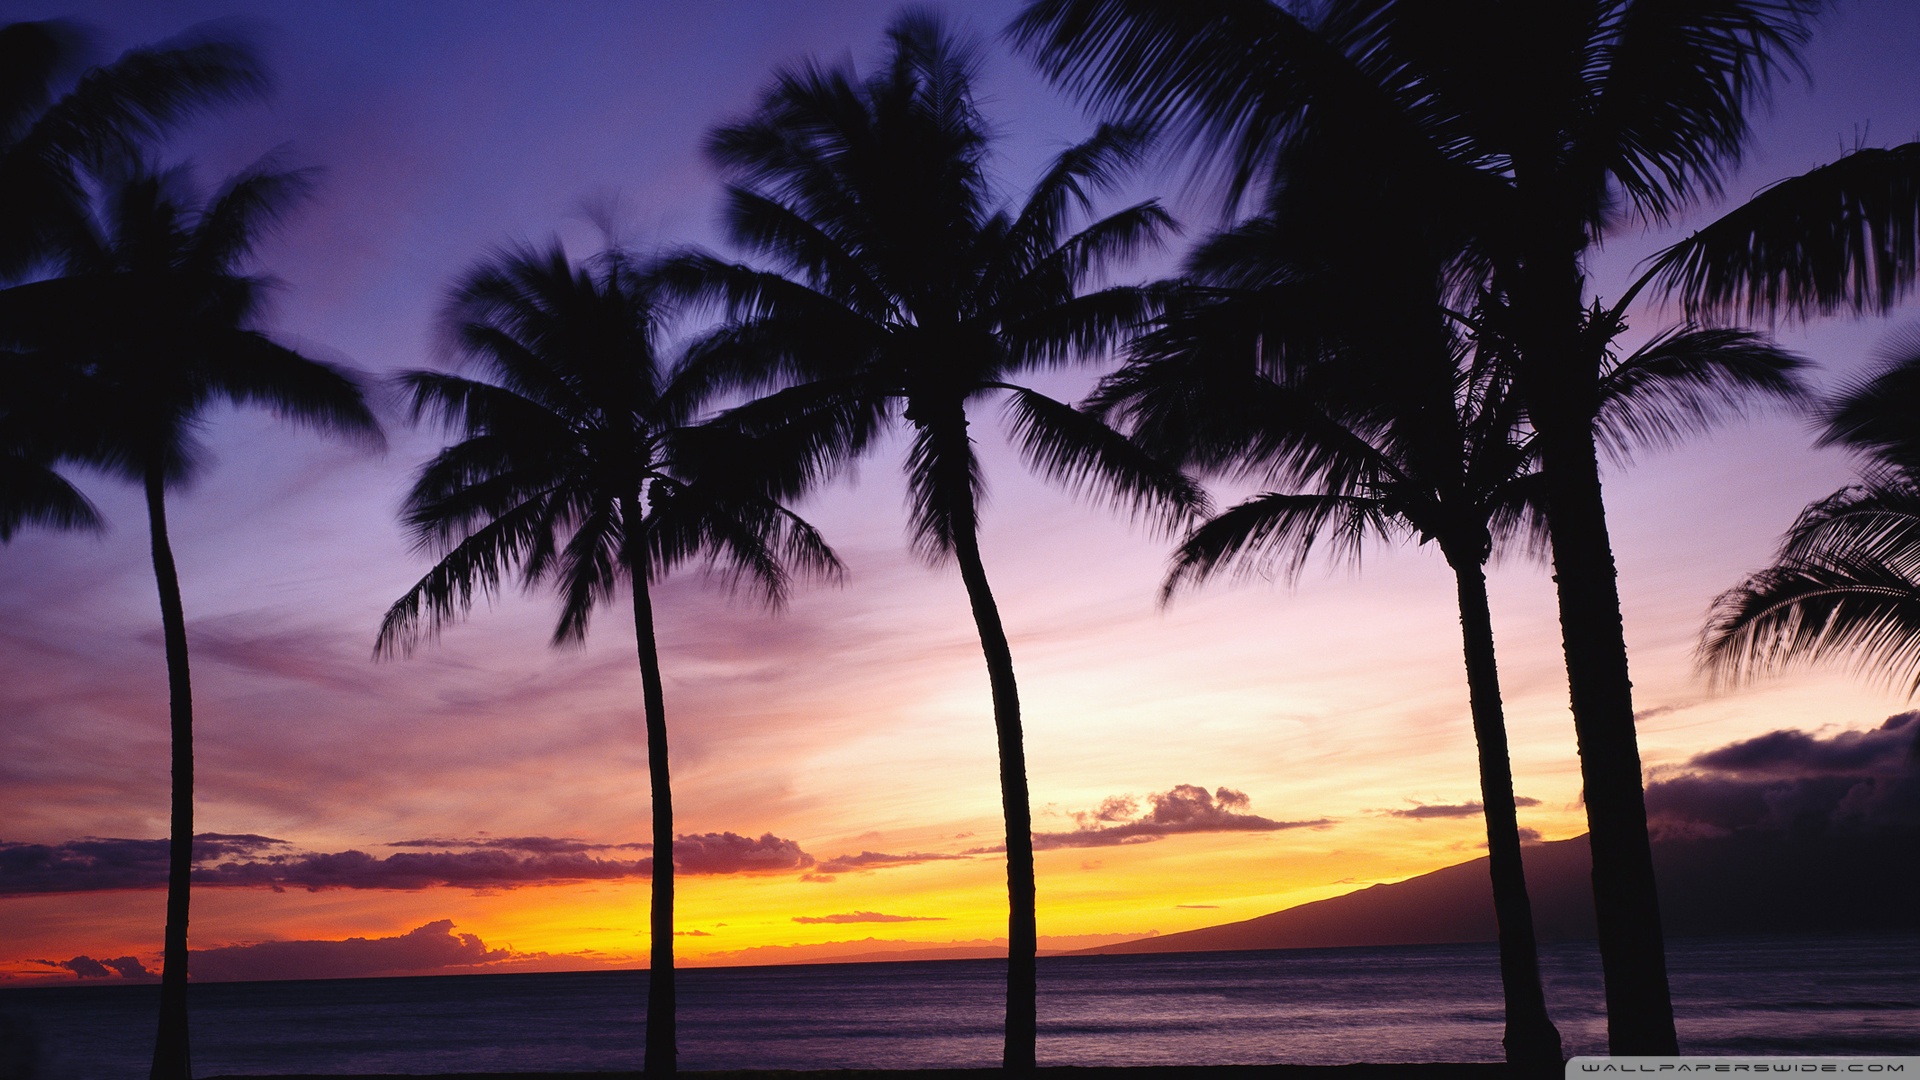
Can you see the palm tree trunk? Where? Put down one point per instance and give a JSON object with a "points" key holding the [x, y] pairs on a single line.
{"points": [[661, 1054], [1531, 1038], [1022, 925], [1625, 901], [171, 1060], [1559, 373]]}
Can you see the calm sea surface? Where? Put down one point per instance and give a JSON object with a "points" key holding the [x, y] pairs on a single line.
{"points": [[1858, 995]]}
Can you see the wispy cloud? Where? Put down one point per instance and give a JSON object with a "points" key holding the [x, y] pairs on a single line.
{"points": [[1453, 810], [866, 917], [878, 860]]}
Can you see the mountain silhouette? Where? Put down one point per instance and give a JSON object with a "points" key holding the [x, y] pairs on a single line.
{"points": [[1745, 883]]}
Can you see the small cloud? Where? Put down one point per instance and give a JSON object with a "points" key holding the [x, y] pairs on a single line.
{"points": [[731, 853], [1199, 907], [1187, 808], [865, 917], [691, 933]]}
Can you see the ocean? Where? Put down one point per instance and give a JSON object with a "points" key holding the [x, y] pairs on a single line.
{"points": [[1755, 995]]}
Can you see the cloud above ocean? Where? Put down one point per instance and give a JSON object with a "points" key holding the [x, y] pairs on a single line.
{"points": [[1470, 808], [1796, 782], [1185, 808], [864, 917]]}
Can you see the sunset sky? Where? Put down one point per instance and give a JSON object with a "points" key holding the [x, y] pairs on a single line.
{"points": [[483, 803]]}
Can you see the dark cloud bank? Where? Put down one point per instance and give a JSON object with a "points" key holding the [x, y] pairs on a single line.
{"points": [[1790, 782], [429, 949], [1793, 832], [97, 863]]}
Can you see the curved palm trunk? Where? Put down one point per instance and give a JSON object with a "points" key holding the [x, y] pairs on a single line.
{"points": [[661, 1056], [171, 1060], [1625, 901], [1022, 925], [1531, 1038]]}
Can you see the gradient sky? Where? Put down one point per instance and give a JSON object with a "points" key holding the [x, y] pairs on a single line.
{"points": [[1251, 747]]}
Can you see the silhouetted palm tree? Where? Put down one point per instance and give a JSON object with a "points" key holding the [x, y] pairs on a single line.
{"points": [[151, 321], [1392, 422], [54, 124], [902, 291], [579, 466], [1846, 581], [1524, 131]]}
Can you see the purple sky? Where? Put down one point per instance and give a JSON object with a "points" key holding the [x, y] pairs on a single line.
{"points": [[858, 721]]}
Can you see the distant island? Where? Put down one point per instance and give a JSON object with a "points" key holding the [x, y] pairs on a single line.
{"points": [[1747, 882]]}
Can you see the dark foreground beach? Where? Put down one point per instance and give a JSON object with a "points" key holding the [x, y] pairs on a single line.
{"points": [[1410, 1071]]}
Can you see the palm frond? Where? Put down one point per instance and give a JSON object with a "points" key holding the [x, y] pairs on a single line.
{"points": [[1874, 416], [1805, 611], [1671, 85], [1845, 235], [1080, 451], [32, 493], [1276, 532], [250, 368], [475, 565], [1685, 381], [945, 488]]}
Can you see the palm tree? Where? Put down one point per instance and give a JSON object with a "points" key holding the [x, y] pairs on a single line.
{"points": [[1846, 580], [153, 320], [901, 291], [53, 126], [1527, 132], [1388, 416], [579, 465]]}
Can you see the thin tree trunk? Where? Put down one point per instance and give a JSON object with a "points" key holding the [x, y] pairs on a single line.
{"points": [[1022, 929], [171, 1060], [1022, 925], [1531, 1038], [662, 1053], [1625, 901]]}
